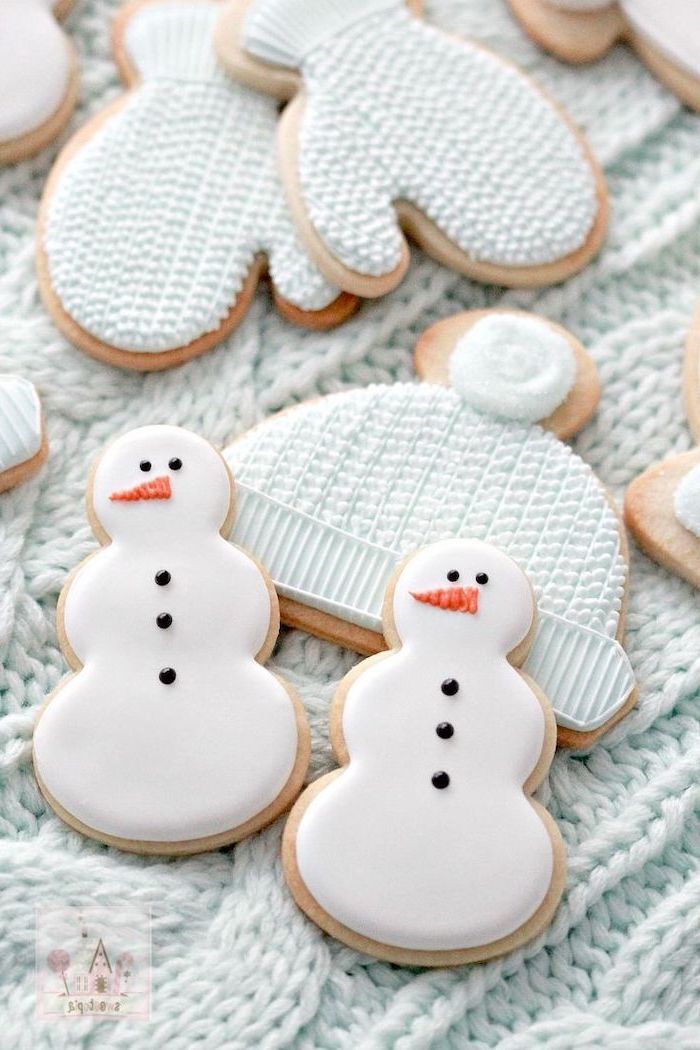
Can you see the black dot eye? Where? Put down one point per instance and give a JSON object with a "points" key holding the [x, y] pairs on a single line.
{"points": [[482, 578], [145, 465], [453, 576], [175, 463]]}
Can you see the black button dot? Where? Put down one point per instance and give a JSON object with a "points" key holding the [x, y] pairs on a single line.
{"points": [[482, 578], [167, 676], [175, 463], [445, 730], [453, 576], [164, 620], [145, 465], [450, 687], [440, 780], [163, 577]]}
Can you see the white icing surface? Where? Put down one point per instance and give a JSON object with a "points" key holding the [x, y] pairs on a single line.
{"points": [[397, 110], [513, 366], [20, 421], [673, 27], [118, 749], [384, 851], [34, 66], [686, 501]]}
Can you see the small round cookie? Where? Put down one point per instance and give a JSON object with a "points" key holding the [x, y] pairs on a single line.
{"points": [[169, 737]]}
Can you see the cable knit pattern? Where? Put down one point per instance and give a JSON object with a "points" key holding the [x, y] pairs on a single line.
{"points": [[396, 110], [155, 223], [236, 966]]}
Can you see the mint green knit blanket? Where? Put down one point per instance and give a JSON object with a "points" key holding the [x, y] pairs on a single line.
{"points": [[235, 965]]}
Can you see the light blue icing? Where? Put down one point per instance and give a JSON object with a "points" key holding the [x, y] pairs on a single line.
{"points": [[155, 223], [334, 493]]}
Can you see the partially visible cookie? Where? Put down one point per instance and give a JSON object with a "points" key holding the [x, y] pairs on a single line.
{"points": [[665, 35], [38, 76], [23, 442]]}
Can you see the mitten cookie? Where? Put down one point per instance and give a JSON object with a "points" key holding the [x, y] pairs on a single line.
{"points": [[162, 213], [23, 442], [426, 848], [665, 35], [335, 492], [169, 737], [662, 505], [402, 127], [38, 76]]}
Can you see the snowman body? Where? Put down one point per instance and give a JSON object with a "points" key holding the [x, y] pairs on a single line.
{"points": [[427, 840], [171, 731]]}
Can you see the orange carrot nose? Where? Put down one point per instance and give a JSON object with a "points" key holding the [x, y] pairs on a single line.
{"points": [[158, 488], [453, 599]]}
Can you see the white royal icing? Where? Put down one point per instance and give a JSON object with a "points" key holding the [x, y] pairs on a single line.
{"points": [[21, 429], [397, 110], [119, 750], [155, 223], [34, 66], [513, 366], [673, 27], [686, 501], [381, 849]]}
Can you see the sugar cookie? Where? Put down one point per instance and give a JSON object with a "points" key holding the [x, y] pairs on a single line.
{"points": [[397, 126], [169, 737], [38, 76], [23, 442], [666, 36], [163, 212], [335, 492], [662, 505], [426, 847]]}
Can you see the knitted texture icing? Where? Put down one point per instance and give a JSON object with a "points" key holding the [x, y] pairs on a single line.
{"points": [[155, 222], [403, 466], [398, 110], [686, 501]]}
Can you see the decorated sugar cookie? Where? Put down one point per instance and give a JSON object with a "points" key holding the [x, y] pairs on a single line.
{"points": [[399, 128], [162, 213], [426, 847], [170, 736], [662, 505], [23, 442], [38, 76], [335, 492], [665, 35]]}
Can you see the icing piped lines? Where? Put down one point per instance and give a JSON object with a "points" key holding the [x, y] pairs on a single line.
{"points": [[20, 422], [157, 488], [451, 599]]}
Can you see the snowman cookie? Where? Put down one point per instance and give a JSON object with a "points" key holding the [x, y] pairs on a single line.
{"points": [[665, 35], [23, 442], [163, 212], [170, 736], [335, 492], [426, 847], [397, 128], [38, 76], [662, 505]]}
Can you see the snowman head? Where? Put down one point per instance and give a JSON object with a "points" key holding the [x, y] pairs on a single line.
{"points": [[462, 593], [159, 483]]}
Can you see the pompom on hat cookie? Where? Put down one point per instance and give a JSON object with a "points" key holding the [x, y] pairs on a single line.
{"points": [[164, 211], [38, 76], [665, 35], [335, 492], [662, 505], [397, 128]]}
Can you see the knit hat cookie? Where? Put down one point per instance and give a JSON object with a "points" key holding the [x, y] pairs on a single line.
{"points": [[397, 126], [163, 211], [23, 442], [334, 492], [662, 506], [666, 36], [38, 76]]}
